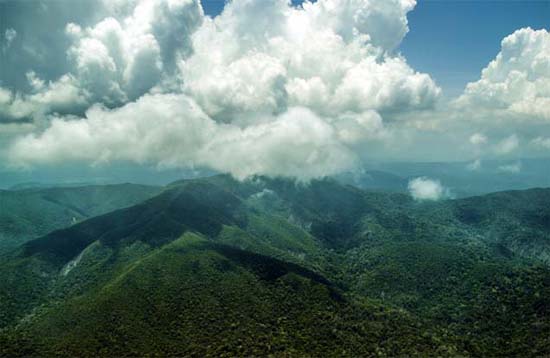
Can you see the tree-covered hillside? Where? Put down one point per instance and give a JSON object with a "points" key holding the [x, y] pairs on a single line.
{"points": [[219, 267], [30, 213]]}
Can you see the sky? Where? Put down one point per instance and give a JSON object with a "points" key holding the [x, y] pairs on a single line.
{"points": [[453, 39], [251, 87]]}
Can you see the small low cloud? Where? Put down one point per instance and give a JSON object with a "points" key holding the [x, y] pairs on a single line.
{"points": [[511, 168], [424, 188], [507, 145], [475, 165], [9, 37], [541, 142], [478, 139]]}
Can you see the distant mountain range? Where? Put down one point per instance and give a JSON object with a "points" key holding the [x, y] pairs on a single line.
{"points": [[218, 267], [461, 178]]}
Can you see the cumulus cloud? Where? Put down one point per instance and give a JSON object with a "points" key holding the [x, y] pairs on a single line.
{"points": [[141, 131], [478, 139], [332, 56], [541, 142], [297, 143], [475, 165], [424, 188], [114, 61], [9, 36], [61, 96], [120, 60], [513, 168], [507, 145], [263, 88], [517, 82]]}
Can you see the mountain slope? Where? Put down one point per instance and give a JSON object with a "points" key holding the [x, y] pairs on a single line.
{"points": [[31, 213], [515, 223], [192, 297]]}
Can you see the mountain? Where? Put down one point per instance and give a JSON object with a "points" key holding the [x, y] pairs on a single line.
{"points": [[194, 297], [219, 267], [39, 185], [515, 222], [30, 213], [375, 180]]}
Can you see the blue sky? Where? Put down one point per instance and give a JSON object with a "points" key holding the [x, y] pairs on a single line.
{"points": [[453, 40]]}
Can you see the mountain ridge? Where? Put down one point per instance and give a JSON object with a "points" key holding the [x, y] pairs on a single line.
{"points": [[30, 213]]}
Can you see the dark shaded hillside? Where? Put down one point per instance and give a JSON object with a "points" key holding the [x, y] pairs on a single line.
{"points": [[516, 223], [195, 298], [219, 267], [529, 207], [31, 213], [330, 211], [194, 206]]}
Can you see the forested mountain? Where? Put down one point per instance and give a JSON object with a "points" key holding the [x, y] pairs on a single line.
{"points": [[30, 213], [214, 266]]}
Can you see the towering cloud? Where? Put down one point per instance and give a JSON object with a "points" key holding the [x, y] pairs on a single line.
{"points": [[331, 56], [517, 81], [114, 61], [120, 60], [263, 88]]}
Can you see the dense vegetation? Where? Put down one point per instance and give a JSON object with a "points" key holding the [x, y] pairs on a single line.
{"points": [[219, 267], [30, 213]]}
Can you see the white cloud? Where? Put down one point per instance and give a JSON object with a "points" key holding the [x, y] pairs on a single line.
{"points": [[507, 145], [63, 95], [511, 168], [264, 88], [475, 165], [34, 81], [542, 142], [296, 144], [9, 36], [114, 61], [331, 56], [5, 96], [117, 60], [329, 73], [423, 188], [179, 128], [517, 82], [384, 22], [478, 139]]}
